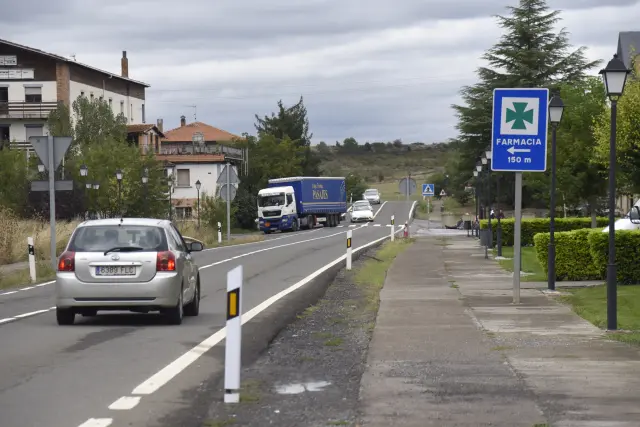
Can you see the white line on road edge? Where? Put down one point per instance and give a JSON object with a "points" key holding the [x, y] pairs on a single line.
{"points": [[22, 316], [97, 422], [413, 206], [15, 291], [166, 374], [268, 249]]}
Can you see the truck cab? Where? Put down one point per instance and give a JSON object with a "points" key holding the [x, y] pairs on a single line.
{"points": [[277, 209]]}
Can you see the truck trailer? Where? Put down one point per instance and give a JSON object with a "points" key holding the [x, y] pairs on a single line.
{"points": [[301, 202]]}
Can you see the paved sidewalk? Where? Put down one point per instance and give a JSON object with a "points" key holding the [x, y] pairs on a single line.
{"points": [[472, 358], [428, 362]]}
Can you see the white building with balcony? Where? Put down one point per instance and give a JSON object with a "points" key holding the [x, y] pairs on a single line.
{"points": [[33, 82]]}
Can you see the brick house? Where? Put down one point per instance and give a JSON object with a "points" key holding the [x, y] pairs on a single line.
{"points": [[33, 82]]}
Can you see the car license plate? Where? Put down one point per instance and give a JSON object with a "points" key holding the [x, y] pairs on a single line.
{"points": [[116, 270]]}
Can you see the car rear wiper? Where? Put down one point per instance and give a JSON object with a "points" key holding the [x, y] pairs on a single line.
{"points": [[124, 249]]}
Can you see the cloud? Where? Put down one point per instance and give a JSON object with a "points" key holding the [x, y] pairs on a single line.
{"points": [[371, 69]]}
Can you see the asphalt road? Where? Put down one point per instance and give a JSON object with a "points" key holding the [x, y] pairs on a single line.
{"points": [[85, 375]]}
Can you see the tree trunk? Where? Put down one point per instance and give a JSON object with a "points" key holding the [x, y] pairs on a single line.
{"points": [[592, 209]]}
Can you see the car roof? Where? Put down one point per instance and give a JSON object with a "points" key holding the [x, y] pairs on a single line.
{"points": [[361, 202], [371, 189], [126, 221]]}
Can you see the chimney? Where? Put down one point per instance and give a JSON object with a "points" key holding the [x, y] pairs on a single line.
{"points": [[183, 121], [124, 62], [159, 126]]}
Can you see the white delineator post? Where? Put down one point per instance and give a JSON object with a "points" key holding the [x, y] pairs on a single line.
{"points": [[233, 345], [32, 259], [219, 232], [349, 250], [393, 221]]}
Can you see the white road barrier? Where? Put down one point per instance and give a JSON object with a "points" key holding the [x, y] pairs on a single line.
{"points": [[233, 345]]}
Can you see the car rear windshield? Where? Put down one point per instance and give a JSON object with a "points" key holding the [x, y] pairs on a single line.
{"points": [[100, 238], [361, 208], [371, 192]]}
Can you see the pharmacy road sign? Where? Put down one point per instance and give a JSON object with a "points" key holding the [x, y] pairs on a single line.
{"points": [[519, 130]]}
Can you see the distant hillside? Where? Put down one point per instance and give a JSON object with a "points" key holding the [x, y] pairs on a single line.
{"points": [[380, 162]]}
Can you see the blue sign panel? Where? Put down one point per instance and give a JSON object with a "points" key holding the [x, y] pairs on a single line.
{"points": [[519, 130], [428, 190]]}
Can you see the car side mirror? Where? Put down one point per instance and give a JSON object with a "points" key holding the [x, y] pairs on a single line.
{"points": [[195, 247]]}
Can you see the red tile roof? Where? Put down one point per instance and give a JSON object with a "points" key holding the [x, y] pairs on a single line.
{"points": [[211, 134]]}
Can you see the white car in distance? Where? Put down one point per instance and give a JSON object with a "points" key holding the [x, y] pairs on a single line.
{"points": [[372, 195], [361, 213]]}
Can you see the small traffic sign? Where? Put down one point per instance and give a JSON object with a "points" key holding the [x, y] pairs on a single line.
{"points": [[233, 177], [428, 190], [519, 130], [443, 193], [407, 186]]}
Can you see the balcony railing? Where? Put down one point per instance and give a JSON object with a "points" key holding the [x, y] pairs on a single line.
{"points": [[189, 149], [26, 110]]}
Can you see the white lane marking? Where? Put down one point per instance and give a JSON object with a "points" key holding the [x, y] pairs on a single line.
{"points": [[27, 288], [268, 249], [31, 313], [379, 209], [377, 225], [97, 422], [7, 320], [261, 241], [125, 403], [413, 206], [340, 226], [352, 225], [166, 374]]}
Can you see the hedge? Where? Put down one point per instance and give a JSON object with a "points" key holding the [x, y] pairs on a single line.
{"points": [[627, 255], [533, 226], [573, 254], [583, 255]]}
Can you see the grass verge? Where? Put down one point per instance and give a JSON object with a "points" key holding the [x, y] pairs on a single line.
{"points": [[530, 263], [591, 304], [371, 275], [18, 278]]}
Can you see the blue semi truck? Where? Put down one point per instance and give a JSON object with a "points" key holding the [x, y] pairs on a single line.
{"points": [[301, 202]]}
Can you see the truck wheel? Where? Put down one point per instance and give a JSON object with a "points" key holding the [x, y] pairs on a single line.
{"points": [[294, 226]]}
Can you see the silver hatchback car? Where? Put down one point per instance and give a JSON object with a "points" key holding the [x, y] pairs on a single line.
{"points": [[132, 264]]}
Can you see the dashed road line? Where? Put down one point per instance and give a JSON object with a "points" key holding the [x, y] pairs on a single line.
{"points": [[125, 403], [97, 422], [25, 315], [39, 285]]}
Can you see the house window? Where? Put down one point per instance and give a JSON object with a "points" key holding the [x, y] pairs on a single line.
{"points": [[131, 106], [91, 96], [110, 104], [184, 179], [121, 107], [101, 98], [184, 213], [33, 94], [143, 115], [82, 93], [33, 130]]}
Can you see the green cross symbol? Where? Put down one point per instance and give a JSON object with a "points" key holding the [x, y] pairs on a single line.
{"points": [[519, 115]]}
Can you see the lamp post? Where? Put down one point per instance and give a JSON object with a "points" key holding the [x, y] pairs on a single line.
{"points": [[119, 178], [479, 197], [145, 181], [614, 76], [487, 156], [84, 171], [556, 108], [498, 215], [95, 186], [475, 196], [198, 185]]}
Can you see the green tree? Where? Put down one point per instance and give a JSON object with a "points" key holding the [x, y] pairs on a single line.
{"points": [[627, 138], [531, 53], [214, 210], [355, 185], [14, 180], [292, 122], [580, 176]]}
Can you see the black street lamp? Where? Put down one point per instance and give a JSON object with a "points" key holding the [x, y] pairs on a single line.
{"points": [[486, 157], [614, 76], [475, 196], [145, 181], [480, 216], [556, 108], [198, 185], [84, 171], [119, 178]]}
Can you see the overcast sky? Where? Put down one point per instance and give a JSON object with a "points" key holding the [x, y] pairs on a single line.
{"points": [[371, 69]]}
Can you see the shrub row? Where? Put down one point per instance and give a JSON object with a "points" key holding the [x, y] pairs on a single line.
{"points": [[533, 226], [583, 254]]}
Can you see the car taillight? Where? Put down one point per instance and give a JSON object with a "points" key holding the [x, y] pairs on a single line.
{"points": [[66, 262], [166, 261]]}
